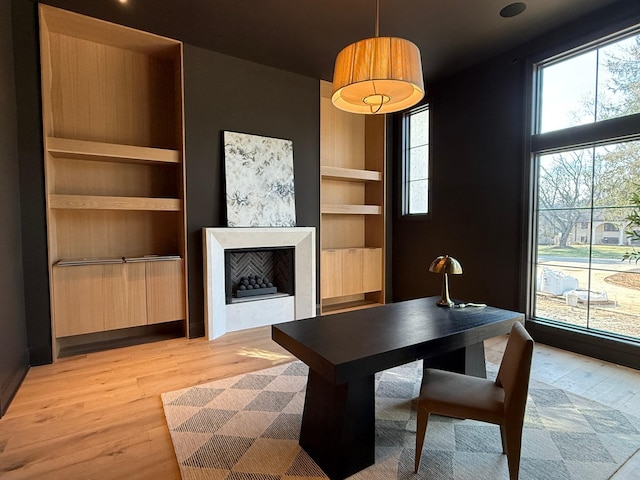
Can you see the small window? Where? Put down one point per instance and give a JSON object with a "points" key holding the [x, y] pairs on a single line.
{"points": [[415, 185]]}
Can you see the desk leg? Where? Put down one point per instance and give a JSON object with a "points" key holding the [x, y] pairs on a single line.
{"points": [[338, 425], [468, 360]]}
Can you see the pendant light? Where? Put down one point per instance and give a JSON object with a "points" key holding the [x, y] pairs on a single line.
{"points": [[378, 75]]}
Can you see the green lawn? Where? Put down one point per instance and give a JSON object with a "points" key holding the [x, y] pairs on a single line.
{"points": [[582, 251]]}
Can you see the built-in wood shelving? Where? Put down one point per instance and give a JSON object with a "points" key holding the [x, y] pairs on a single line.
{"points": [[352, 207], [112, 110]]}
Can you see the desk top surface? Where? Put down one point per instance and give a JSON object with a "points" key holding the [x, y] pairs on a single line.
{"points": [[343, 345]]}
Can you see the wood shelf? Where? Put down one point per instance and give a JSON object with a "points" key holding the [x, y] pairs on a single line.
{"points": [[95, 202], [109, 152], [350, 174], [351, 209]]}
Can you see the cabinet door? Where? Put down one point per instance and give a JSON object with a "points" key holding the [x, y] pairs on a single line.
{"points": [[372, 269], [78, 299], [165, 291], [125, 303], [331, 273], [352, 271]]}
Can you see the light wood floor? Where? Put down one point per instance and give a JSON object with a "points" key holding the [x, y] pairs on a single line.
{"points": [[99, 416]]}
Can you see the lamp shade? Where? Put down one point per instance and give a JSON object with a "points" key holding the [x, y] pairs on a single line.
{"points": [[378, 75], [446, 264]]}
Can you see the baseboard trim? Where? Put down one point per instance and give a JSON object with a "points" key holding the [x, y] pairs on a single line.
{"points": [[15, 379], [40, 356], [618, 351], [196, 330]]}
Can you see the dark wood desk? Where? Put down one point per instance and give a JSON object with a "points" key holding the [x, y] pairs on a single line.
{"points": [[345, 350]]}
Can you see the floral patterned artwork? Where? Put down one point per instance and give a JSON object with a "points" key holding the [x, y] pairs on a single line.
{"points": [[259, 181]]}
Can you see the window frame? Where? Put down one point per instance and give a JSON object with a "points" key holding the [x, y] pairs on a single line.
{"points": [[405, 125], [591, 135]]}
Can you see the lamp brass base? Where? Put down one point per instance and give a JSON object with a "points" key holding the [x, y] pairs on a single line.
{"points": [[445, 300], [444, 303]]}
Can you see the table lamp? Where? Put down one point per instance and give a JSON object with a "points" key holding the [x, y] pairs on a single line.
{"points": [[446, 265]]}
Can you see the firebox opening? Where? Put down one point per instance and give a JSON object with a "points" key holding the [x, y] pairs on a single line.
{"points": [[258, 273]]}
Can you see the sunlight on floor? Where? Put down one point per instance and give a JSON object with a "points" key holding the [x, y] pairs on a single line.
{"points": [[265, 354]]}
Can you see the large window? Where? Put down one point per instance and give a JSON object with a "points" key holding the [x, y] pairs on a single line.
{"points": [[586, 151], [415, 184]]}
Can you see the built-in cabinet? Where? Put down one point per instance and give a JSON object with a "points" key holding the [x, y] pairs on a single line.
{"points": [[114, 175], [352, 198]]}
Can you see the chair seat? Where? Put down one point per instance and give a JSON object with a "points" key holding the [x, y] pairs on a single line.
{"points": [[449, 394]]}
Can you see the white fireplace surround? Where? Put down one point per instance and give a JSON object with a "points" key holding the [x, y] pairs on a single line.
{"points": [[221, 318]]}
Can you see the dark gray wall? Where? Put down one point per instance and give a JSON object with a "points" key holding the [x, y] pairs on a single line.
{"points": [[32, 190], [14, 360], [476, 202], [225, 93]]}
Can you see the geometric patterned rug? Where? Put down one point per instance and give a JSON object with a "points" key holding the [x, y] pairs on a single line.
{"points": [[246, 428]]}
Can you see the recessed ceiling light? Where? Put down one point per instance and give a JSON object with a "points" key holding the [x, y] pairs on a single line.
{"points": [[122, 1], [513, 9]]}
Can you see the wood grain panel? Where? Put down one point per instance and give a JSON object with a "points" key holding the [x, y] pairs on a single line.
{"points": [[375, 228], [114, 233], [352, 282], [55, 20], [81, 177], [342, 231], [78, 300], [165, 291], [341, 137], [371, 269], [132, 108], [125, 296], [336, 192], [375, 134], [331, 278]]}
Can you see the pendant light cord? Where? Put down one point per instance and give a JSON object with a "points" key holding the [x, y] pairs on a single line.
{"points": [[377, 34]]}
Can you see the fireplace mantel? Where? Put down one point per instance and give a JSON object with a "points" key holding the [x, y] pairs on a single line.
{"points": [[221, 318]]}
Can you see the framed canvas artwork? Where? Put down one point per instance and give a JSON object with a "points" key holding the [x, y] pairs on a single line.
{"points": [[259, 181]]}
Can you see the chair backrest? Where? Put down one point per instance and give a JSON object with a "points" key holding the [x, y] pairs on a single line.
{"points": [[515, 370]]}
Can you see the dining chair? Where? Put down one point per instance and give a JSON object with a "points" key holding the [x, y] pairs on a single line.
{"points": [[501, 402]]}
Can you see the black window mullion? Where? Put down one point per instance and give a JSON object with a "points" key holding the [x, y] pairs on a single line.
{"points": [[615, 129]]}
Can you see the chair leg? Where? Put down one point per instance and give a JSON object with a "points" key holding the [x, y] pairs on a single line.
{"points": [[513, 434], [503, 436], [421, 430]]}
